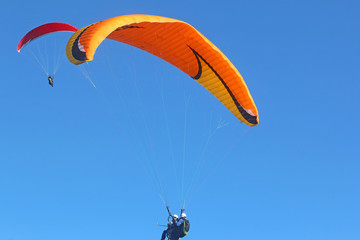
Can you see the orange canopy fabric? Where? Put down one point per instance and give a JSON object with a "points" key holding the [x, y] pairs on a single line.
{"points": [[177, 43]]}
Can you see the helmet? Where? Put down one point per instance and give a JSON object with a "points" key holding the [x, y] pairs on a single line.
{"points": [[183, 215], [175, 216]]}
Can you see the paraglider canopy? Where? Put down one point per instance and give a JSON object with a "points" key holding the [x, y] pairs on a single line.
{"points": [[178, 43], [43, 30]]}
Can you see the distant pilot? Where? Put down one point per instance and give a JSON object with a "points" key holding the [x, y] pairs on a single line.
{"points": [[51, 80]]}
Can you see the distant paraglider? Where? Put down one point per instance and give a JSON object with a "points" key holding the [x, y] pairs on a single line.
{"points": [[40, 31]]}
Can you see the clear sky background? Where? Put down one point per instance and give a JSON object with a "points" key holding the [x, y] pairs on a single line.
{"points": [[85, 162]]}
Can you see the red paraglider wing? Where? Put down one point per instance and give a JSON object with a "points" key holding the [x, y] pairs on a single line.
{"points": [[45, 29]]}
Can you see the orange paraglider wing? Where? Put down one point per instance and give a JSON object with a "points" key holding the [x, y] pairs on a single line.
{"points": [[177, 43]]}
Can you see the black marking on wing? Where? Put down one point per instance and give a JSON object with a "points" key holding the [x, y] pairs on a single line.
{"points": [[126, 27], [249, 118], [76, 52]]}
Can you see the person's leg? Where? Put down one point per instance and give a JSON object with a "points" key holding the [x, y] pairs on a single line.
{"points": [[163, 235]]}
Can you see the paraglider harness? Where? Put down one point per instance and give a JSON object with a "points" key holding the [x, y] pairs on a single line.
{"points": [[185, 226], [51, 80]]}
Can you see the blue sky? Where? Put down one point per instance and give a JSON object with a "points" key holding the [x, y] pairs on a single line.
{"points": [[85, 162]]}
